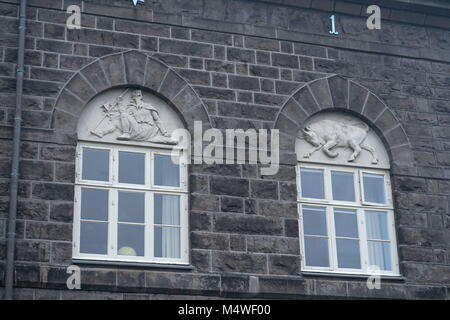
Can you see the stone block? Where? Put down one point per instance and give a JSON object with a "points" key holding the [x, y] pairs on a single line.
{"points": [[53, 191], [212, 241], [278, 208], [243, 83], [261, 44], [201, 260], [231, 204], [285, 60], [114, 68], [240, 55], [49, 231], [321, 92], [248, 224], [239, 262], [274, 245], [61, 252], [135, 63], [186, 48], [306, 100], [264, 189], [284, 265], [204, 202], [33, 210]]}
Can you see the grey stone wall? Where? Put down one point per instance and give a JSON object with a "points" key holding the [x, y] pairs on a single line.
{"points": [[245, 61]]}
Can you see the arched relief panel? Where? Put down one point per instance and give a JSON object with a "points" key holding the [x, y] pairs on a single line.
{"points": [[344, 102], [127, 70], [133, 116]]}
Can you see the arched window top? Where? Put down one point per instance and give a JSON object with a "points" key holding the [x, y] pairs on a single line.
{"points": [[338, 138], [321, 97], [128, 116]]}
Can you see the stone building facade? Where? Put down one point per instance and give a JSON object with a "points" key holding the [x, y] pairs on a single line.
{"points": [[232, 64]]}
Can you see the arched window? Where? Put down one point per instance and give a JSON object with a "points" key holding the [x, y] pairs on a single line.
{"points": [[344, 198], [130, 193]]}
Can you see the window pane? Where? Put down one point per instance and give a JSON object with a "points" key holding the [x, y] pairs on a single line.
{"points": [[380, 254], [167, 209], [316, 252], [346, 223], [312, 183], [167, 173], [130, 240], [343, 186], [374, 188], [131, 167], [314, 221], [95, 164], [167, 242], [93, 237], [131, 207], [94, 204], [377, 225], [348, 253]]}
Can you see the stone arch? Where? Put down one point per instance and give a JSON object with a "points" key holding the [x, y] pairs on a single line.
{"points": [[339, 93], [129, 68]]}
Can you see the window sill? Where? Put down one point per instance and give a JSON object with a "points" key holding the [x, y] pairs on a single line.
{"points": [[134, 264], [351, 276]]}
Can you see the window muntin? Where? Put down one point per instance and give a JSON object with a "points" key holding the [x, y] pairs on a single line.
{"points": [[350, 234], [116, 218]]}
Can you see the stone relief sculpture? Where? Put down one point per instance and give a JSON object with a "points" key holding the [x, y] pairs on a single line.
{"points": [[135, 119], [327, 135]]}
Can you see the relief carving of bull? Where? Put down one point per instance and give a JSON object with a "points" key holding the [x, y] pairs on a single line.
{"points": [[330, 134]]}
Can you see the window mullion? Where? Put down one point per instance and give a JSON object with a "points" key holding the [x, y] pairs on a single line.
{"points": [[184, 238], [150, 226], [332, 238], [112, 223], [77, 221], [363, 240], [393, 242]]}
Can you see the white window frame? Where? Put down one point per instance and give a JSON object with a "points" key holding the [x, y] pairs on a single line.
{"points": [[149, 189], [360, 206]]}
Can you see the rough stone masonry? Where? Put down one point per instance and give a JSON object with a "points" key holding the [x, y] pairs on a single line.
{"points": [[244, 61]]}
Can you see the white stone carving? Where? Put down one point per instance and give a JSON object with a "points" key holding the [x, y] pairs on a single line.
{"points": [[342, 139], [134, 119], [326, 135]]}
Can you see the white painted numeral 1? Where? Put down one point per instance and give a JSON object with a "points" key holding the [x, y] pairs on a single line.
{"points": [[333, 25]]}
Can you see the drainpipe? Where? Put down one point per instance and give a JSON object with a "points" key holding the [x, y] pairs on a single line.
{"points": [[11, 235]]}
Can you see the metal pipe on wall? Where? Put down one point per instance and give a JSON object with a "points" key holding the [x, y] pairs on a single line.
{"points": [[11, 234]]}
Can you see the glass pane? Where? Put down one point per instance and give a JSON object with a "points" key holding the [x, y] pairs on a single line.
{"points": [[131, 207], [94, 237], [94, 204], [312, 183], [377, 225], [95, 164], [167, 173], [348, 253], [130, 240], [131, 167], [380, 254], [343, 186], [167, 209], [314, 221], [316, 252], [374, 188], [346, 223], [167, 242]]}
